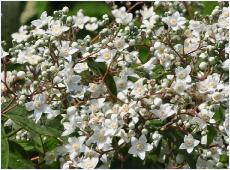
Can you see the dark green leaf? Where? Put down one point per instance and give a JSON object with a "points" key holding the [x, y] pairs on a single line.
{"points": [[18, 157], [4, 149], [41, 6], [100, 68], [144, 54], [224, 158], [93, 9], [209, 7], [158, 72], [219, 114], [211, 134], [19, 116], [110, 83]]}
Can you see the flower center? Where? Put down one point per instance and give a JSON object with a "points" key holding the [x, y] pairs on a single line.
{"points": [[189, 142], [101, 138], [181, 75], [216, 96], [37, 104], [56, 29], [212, 84], [119, 44], [107, 56], [139, 146], [75, 146], [173, 21], [121, 84], [226, 14], [88, 165]]}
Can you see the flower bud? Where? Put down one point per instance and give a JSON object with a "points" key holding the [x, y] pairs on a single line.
{"points": [[65, 10], [203, 65], [71, 110], [144, 131], [157, 101], [21, 75]]}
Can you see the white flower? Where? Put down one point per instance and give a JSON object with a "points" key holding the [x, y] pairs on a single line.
{"points": [[183, 74], [211, 84], [3, 53], [205, 116], [160, 48], [124, 138], [91, 27], [147, 13], [139, 147], [71, 81], [39, 106], [96, 89], [149, 24], [27, 56], [112, 125], [21, 35], [66, 51], [96, 104], [156, 138], [88, 163], [56, 28], [149, 65], [175, 21], [80, 20], [75, 146], [80, 67], [121, 83], [44, 19], [189, 143], [106, 55], [102, 140], [165, 111], [224, 18], [179, 87], [226, 65], [74, 121], [139, 88], [120, 44], [196, 27], [122, 17], [217, 96], [166, 59]]}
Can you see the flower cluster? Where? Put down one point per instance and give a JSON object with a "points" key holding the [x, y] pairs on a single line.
{"points": [[138, 83]]}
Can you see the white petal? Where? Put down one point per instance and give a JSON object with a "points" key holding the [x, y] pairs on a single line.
{"points": [[189, 150], [141, 155]]}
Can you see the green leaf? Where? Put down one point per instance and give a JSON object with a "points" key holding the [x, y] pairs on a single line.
{"points": [[51, 143], [19, 116], [93, 9], [144, 54], [110, 83], [100, 68], [209, 7], [158, 72], [4, 149], [211, 134], [41, 6], [18, 157], [219, 114], [224, 158]]}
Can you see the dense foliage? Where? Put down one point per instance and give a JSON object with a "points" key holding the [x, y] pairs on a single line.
{"points": [[143, 88]]}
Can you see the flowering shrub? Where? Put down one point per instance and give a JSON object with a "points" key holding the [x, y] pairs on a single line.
{"points": [[147, 89]]}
